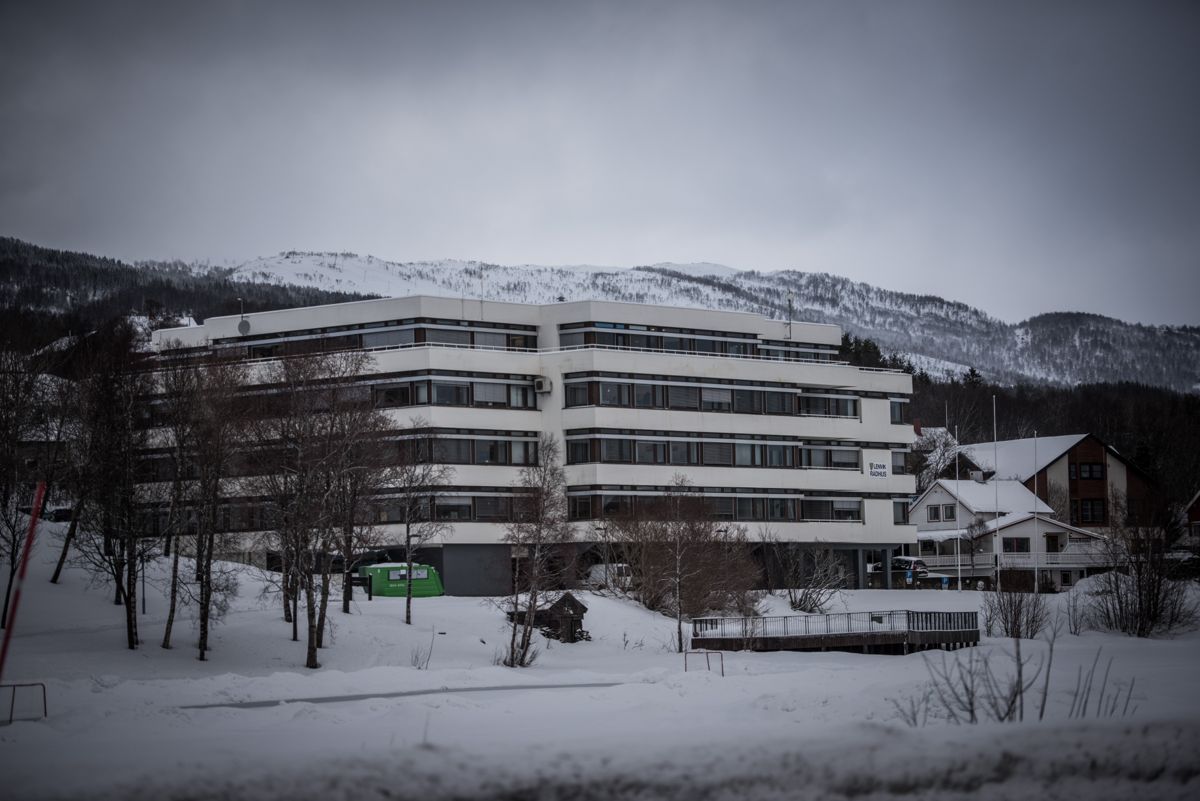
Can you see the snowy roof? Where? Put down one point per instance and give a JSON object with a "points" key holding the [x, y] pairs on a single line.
{"points": [[998, 524], [1004, 496], [1014, 458]]}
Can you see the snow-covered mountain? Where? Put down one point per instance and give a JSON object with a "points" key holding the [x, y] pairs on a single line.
{"points": [[940, 336]]}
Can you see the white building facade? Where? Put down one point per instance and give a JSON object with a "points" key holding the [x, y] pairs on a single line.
{"points": [[756, 413]]}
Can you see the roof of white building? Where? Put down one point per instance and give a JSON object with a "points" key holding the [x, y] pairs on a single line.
{"points": [[1004, 496], [1015, 458], [999, 524]]}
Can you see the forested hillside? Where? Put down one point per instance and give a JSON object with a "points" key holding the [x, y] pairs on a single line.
{"points": [[47, 294]]}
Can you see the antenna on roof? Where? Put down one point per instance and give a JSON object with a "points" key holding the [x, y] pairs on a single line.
{"points": [[791, 299]]}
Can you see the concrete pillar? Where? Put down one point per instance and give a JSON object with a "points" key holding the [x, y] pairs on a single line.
{"points": [[885, 564]]}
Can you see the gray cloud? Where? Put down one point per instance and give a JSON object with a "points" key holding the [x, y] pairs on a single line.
{"points": [[1020, 157]]}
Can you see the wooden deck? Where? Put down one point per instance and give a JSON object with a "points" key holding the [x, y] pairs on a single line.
{"points": [[891, 632]]}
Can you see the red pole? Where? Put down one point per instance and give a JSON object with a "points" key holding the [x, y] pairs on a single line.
{"points": [[34, 514]]}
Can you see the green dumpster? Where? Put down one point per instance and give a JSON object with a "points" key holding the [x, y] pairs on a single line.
{"points": [[391, 579]]}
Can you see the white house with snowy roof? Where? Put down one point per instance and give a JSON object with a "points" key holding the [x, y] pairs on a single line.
{"points": [[963, 525], [1097, 485]]}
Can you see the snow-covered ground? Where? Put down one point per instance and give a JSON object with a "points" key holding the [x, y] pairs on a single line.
{"points": [[782, 725]]}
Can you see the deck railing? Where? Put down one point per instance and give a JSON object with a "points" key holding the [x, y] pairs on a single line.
{"points": [[838, 623], [1022, 561]]}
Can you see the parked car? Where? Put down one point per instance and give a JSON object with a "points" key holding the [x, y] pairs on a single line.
{"points": [[904, 563], [616, 575]]}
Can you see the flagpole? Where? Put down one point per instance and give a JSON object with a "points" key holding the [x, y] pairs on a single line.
{"points": [[1035, 514], [996, 488], [958, 539]]}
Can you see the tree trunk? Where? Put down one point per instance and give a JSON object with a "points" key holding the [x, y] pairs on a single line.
{"points": [[310, 609], [174, 594], [285, 578], [12, 573], [62, 556], [131, 575], [408, 589], [347, 591], [204, 544], [323, 610]]}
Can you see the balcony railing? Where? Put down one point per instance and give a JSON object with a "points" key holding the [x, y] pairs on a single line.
{"points": [[1022, 561], [825, 625]]}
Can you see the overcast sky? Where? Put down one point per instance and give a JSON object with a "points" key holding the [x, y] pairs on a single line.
{"points": [[1019, 157]]}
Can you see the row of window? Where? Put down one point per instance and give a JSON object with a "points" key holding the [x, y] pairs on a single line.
{"points": [[686, 344], [718, 454], [394, 337], [1085, 470], [941, 513], [706, 399], [1088, 511], [454, 393], [727, 507], [242, 517], [441, 450]]}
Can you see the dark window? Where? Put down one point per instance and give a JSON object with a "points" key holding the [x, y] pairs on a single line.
{"points": [[683, 397], [750, 508], [616, 450], [617, 505], [1071, 471], [949, 512], [847, 510], [816, 457], [779, 455], [747, 455], [523, 452], [579, 507], [520, 397], [643, 396], [718, 453], [781, 509], [900, 513], [683, 453], [452, 451], [491, 451], [651, 452], [614, 394], [747, 401], [451, 394], [493, 508], [898, 410], [816, 510], [448, 336], [453, 508], [577, 394], [933, 513], [1015, 544], [899, 466], [579, 451], [490, 339], [716, 400], [1091, 510], [398, 395], [843, 459], [777, 403], [570, 340], [721, 508]]}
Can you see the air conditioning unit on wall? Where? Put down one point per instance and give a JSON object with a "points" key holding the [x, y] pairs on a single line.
{"points": [[542, 385]]}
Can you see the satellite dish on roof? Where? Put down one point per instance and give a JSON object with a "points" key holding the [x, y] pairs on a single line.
{"points": [[243, 326]]}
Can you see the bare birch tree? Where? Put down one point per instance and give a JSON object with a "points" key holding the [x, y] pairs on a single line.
{"points": [[540, 535], [418, 478]]}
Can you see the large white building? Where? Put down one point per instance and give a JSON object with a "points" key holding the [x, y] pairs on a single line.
{"points": [[757, 413]]}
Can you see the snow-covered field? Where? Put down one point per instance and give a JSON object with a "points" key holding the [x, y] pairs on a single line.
{"points": [[781, 725]]}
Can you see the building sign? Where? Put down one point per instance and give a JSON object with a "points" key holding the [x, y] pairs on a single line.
{"points": [[877, 469]]}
